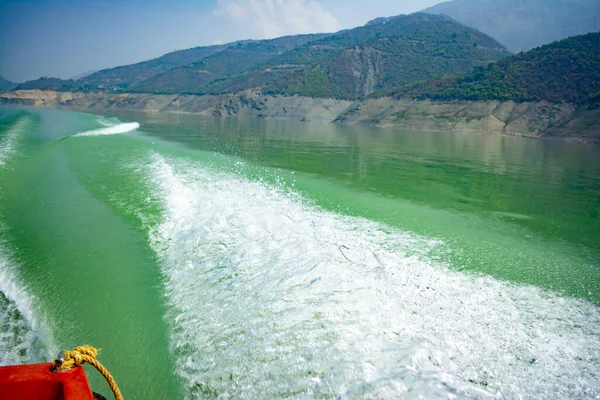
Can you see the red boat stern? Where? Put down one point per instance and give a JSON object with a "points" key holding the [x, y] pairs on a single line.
{"points": [[38, 381]]}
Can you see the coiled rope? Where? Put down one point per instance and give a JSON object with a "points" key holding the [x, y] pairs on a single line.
{"points": [[85, 354]]}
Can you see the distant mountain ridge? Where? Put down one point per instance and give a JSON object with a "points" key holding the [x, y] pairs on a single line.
{"points": [[567, 71], [123, 77], [83, 74], [421, 71], [5, 84], [422, 55], [521, 25], [349, 64], [233, 60], [46, 83], [354, 63]]}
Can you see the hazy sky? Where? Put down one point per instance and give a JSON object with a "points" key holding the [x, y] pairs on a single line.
{"points": [[64, 38]]}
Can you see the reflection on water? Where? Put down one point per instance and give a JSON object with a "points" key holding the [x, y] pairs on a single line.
{"points": [[556, 182]]}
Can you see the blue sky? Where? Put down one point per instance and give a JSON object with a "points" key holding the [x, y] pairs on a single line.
{"points": [[64, 38]]}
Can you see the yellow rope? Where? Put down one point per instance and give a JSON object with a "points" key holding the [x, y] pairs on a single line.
{"points": [[86, 354]]}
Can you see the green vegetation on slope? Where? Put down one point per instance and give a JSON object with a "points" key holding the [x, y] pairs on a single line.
{"points": [[315, 84], [354, 63], [564, 71], [521, 25], [45, 83], [231, 61], [124, 77], [350, 64]]}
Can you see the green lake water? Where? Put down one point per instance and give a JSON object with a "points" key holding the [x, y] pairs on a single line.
{"points": [[228, 258]]}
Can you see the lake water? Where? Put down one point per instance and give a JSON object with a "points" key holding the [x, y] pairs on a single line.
{"points": [[226, 258]]}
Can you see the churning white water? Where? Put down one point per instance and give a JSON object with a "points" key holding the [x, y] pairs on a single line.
{"points": [[111, 130], [21, 334], [22, 338], [8, 141], [272, 297]]}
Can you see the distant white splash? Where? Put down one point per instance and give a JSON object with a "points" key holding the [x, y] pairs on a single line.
{"points": [[271, 297], [111, 130]]}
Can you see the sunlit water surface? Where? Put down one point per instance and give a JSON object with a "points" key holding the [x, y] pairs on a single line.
{"points": [[215, 258]]}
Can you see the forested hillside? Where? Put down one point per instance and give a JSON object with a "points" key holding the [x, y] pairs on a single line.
{"points": [[564, 71], [354, 63], [420, 55], [45, 83], [233, 60], [123, 77]]}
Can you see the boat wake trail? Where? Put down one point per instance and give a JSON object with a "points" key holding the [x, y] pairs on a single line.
{"points": [[111, 130], [22, 337], [8, 141], [271, 297]]}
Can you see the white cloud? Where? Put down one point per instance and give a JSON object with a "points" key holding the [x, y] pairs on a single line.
{"points": [[274, 18]]}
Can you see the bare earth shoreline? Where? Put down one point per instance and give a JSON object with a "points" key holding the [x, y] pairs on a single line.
{"points": [[533, 119]]}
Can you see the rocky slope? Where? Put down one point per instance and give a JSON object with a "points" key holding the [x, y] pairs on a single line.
{"points": [[354, 63], [532, 119]]}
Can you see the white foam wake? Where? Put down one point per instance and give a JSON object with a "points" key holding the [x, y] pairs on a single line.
{"points": [[23, 339], [274, 298], [111, 130], [8, 141]]}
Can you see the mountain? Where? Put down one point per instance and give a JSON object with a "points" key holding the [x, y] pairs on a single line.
{"points": [[564, 71], [123, 77], [83, 74], [231, 61], [350, 64], [354, 63], [522, 25], [45, 83], [5, 84]]}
